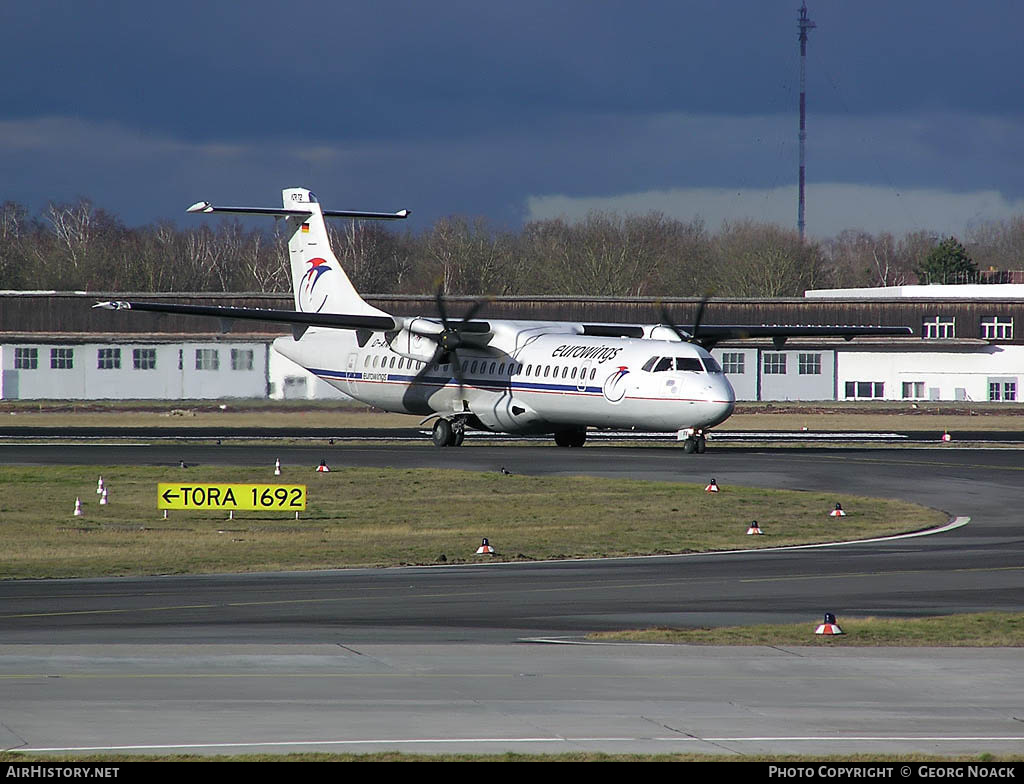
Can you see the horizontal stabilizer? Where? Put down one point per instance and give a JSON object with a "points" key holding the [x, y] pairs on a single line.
{"points": [[334, 320], [282, 212]]}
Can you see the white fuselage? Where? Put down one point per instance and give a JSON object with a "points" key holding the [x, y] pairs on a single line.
{"points": [[530, 378]]}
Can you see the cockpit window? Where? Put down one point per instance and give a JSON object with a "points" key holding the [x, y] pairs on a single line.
{"points": [[649, 364], [711, 364], [689, 363], [665, 363]]}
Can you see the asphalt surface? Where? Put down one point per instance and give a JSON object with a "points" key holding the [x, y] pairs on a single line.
{"points": [[448, 658]]}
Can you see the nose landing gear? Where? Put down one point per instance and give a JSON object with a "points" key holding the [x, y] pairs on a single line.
{"points": [[693, 441]]}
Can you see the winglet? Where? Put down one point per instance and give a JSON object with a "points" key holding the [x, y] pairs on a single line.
{"points": [[113, 305], [200, 206]]}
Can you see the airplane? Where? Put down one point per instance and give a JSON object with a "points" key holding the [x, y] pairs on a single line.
{"points": [[503, 376]]}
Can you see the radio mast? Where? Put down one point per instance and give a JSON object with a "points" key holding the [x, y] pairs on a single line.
{"points": [[804, 24]]}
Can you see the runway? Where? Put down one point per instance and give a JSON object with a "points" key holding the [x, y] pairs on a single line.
{"points": [[448, 658]]}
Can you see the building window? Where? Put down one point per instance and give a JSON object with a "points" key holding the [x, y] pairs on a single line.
{"points": [[62, 358], [144, 358], [1004, 389], [26, 358], [913, 390], [861, 390], [241, 358], [207, 359], [774, 364], [734, 363], [994, 328], [810, 365], [108, 359], [938, 327]]}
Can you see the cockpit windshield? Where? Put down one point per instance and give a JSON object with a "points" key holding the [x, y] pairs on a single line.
{"points": [[690, 364], [712, 365]]}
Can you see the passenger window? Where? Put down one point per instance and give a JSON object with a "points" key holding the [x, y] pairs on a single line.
{"points": [[501, 369], [574, 372], [473, 368], [547, 370]]}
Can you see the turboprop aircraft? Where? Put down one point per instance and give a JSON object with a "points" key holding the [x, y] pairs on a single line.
{"points": [[527, 377]]}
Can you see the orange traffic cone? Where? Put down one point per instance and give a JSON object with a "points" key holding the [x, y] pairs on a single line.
{"points": [[322, 468], [754, 529], [837, 512], [829, 626], [485, 549]]}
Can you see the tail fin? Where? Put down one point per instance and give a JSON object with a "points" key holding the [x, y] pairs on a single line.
{"points": [[319, 282]]}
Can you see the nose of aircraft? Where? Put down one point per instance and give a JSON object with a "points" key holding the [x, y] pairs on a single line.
{"points": [[722, 399]]}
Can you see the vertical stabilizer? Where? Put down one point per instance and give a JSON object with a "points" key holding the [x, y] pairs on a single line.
{"points": [[319, 282]]}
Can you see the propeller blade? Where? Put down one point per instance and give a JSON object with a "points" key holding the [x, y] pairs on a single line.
{"points": [[667, 320], [698, 317], [441, 309], [474, 310]]}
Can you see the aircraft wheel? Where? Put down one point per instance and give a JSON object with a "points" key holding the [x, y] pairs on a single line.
{"points": [[458, 436], [571, 438], [689, 445], [701, 445], [442, 433]]}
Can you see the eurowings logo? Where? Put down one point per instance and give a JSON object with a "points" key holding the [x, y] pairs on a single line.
{"points": [[615, 385], [307, 286]]}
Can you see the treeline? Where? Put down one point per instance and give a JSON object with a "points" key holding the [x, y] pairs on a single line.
{"points": [[80, 247]]}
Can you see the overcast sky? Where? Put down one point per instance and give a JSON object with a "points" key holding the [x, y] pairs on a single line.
{"points": [[522, 110]]}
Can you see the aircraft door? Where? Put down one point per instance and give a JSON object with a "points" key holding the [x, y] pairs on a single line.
{"points": [[581, 382], [350, 371]]}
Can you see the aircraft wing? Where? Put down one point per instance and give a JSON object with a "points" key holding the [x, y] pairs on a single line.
{"points": [[298, 318], [710, 334]]}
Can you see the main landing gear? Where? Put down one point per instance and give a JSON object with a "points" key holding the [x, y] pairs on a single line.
{"points": [[571, 438], [449, 432]]}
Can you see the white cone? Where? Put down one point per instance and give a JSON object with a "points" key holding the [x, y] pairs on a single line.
{"points": [[99, 486], [78, 507], [277, 467], [754, 529], [103, 498], [711, 488], [322, 468], [946, 436], [837, 512]]}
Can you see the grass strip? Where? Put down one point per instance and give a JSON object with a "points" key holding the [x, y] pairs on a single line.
{"points": [[978, 630], [388, 517]]}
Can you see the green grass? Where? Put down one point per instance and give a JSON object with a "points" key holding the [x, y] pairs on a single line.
{"points": [[386, 517], [986, 630]]}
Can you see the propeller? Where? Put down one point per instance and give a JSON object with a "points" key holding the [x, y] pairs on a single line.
{"points": [[450, 339], [692, 337]]}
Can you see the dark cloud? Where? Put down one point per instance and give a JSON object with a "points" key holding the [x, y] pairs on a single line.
{"points": [[474, 107]]}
